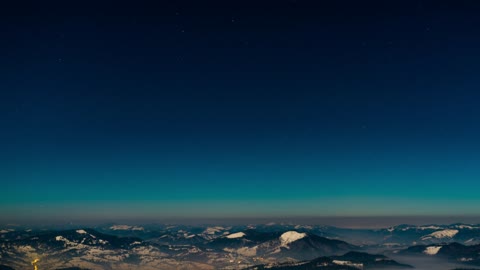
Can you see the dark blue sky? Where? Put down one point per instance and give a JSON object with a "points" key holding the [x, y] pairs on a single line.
{"points": [[234, 109]]}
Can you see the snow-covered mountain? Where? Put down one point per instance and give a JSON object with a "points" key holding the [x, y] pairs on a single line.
{"points": [[282, 245]]}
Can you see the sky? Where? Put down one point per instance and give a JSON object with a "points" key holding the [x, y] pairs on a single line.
{"points": [[237, 109]]}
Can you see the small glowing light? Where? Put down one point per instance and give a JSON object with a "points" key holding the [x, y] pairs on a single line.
{"points": [[34, 263]]}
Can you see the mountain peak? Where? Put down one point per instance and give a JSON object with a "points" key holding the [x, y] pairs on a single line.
{"points": [[291, 236], [236, 235]]}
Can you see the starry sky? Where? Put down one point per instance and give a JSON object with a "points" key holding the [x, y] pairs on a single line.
{"points": [[236, 109]]}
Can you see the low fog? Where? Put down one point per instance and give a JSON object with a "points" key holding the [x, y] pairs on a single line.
{"points": [[428, 263]]}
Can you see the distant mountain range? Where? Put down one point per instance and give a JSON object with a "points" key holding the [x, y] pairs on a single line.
{"points": [[272, 246]]}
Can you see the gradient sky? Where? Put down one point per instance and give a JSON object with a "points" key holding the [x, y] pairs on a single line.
{"points": [[235, 109]]}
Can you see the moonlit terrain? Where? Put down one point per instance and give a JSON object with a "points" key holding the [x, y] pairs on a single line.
{"points": [[270, 246]]}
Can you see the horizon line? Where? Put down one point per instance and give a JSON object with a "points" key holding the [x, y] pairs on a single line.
{"points": [[373, 221]]}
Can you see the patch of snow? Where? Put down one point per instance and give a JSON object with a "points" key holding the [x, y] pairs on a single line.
{"points": [[149, 253], [277, 250], [213, 230], [431, 227], [348, 263], [291, 236], [60, 238], [236, 235], [126, 227], [246, 251], [81, 232], [463, 226], [194, 250], [441, 234], [25, 249], [303, 227], [70, 244], [103, 242], [391, 244], [433, 250]]}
